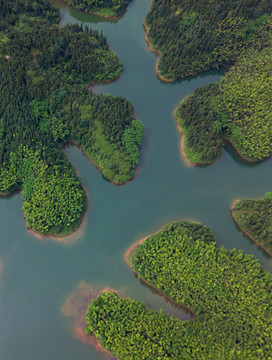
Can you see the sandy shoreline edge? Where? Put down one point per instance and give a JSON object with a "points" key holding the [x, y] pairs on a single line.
{"points": [[157, 52]]}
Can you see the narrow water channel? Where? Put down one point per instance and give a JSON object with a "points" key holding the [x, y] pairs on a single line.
{"points": [[38, 275]]}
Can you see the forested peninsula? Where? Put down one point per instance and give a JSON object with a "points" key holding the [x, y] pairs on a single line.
{"points": [[105, 8], [195, 36], [237, 110], [45, 104], [254, 218], [228, 290]]}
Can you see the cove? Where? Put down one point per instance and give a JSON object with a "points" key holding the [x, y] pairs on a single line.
{"points": [[38, 275]]}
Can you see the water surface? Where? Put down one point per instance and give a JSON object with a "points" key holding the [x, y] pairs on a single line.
{"points": [[37, 276]]}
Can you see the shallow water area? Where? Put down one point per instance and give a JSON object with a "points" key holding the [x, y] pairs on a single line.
{"points": [[38, 275]]}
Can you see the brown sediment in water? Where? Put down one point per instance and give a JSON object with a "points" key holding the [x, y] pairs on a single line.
{"points": [[247, 234], [71, 237], [157, 52], [76, 307], [129, 251], [107, 17]]}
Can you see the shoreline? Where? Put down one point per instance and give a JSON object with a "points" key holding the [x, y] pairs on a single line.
{"points": [[76, 306], [227, 140], [187, 161], [162, 78], [158, 53], [15, 191], [93, 83], [245, 233], [73, 143], [72, 236], [92, 339], [93, 13], [146, 282], [57, 238]]}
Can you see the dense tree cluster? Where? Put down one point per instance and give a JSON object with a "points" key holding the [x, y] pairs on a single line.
{"points": [[237, 109], [228, 290], [44, 103], [254, 217], [106, 8], [195, 36]]}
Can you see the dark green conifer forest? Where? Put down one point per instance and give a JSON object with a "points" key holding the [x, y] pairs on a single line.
{"points": [[237, 109], [195, 36], [44, 104], [228, 290]]}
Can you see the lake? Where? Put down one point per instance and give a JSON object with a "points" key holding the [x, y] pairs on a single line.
{"points": [[38, 275]]}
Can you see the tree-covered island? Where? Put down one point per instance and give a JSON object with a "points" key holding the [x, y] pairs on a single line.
{"points": [[44, 72], [195, 36], [104, 8], [254, 218], [228, 290]]}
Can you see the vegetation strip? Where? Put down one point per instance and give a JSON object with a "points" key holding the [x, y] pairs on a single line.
{"points": [[229, 291]]}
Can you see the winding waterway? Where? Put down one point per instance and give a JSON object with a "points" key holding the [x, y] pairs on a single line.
{"points": [[38, 275]]}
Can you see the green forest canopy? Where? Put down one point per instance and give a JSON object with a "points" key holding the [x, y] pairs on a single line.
{"points": [[195, 36], [254, 217], [44, 70], [228, 290], [238, 108], [105, 8]]}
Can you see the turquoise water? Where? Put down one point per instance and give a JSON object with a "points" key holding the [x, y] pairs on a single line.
{"points": [[38, 275]]}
